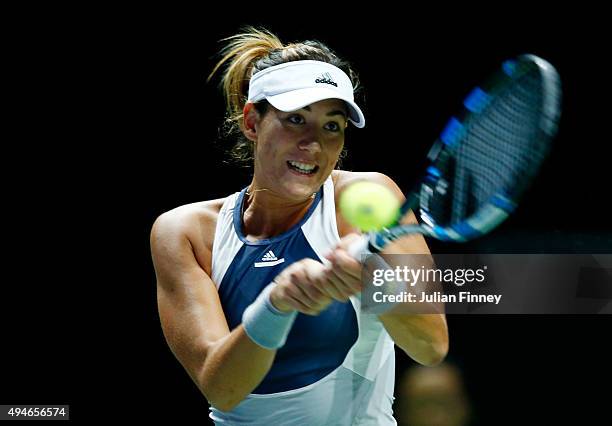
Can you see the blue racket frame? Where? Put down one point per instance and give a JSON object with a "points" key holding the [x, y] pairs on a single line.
{"points": [[501, 204]]}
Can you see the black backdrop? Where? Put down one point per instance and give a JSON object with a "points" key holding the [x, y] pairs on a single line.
{"points": [[126, 129]]}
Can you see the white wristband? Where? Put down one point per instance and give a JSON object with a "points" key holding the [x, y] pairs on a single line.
{"points": [[264, 324]]}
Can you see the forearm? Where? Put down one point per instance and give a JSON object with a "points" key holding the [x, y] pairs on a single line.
{"points": [[423, 337], [234, 366], [420, 330]]}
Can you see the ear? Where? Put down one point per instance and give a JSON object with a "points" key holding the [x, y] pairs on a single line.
{"points": [[249, 120]]}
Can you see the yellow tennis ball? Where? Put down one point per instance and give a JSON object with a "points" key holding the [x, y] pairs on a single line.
{"points": [[369, 206]]}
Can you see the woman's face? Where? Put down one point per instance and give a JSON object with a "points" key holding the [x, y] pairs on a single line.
{"points": [[296, 151]]}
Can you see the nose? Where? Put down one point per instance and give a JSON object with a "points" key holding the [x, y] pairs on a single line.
{"points": [[310, 141]]}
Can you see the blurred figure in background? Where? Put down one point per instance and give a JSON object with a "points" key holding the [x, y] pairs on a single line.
{"points": [[432, 396]]}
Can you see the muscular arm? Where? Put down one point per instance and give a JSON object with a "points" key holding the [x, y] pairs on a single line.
{"points": [[424, 337], [225, 365]]}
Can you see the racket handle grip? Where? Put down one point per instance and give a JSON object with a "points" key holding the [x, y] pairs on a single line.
{"points": [[360, 247]]}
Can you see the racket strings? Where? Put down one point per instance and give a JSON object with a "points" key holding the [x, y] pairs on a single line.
{"points": [[498, 149]]}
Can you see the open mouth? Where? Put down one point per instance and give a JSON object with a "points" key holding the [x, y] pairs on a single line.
{"points": [[302, 168]]}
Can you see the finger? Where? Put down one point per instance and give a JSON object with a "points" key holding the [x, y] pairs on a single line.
{"points": [[346, 286], [296, 293], [342, 261], [335, 287], [299, 304], [327, 287], [343, 244], [287, 297], [312, 295], [347, 240], [310, 282], [348, 282], [303, 287]]}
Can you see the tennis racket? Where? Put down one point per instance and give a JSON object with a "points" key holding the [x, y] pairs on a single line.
{"points": [[484, 159]]}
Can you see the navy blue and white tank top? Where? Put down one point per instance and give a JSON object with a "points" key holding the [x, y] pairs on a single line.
{"points": [[338, 342]]}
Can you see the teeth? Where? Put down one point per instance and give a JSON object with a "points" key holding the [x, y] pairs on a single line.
{"points": [[302, 166]]}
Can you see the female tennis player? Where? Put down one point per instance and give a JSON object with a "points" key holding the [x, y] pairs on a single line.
{"points": [[258, 297]]}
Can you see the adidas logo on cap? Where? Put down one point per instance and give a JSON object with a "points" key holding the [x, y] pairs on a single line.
{"points": [[327, 79]]}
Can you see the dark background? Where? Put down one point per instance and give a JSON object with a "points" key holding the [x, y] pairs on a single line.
{"points": [[116, 124]]}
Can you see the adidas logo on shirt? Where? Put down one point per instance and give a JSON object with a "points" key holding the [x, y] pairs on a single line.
{"points": [[269, 259], [327, 79]]}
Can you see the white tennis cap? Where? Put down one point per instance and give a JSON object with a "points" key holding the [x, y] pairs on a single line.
{"points": [[293, 85]]}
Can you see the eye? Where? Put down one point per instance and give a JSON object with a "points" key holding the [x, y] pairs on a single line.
{"points": [[332, 126], [295, 119]]}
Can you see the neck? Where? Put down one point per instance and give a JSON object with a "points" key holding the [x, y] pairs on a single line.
{"points": [[266, 213]]}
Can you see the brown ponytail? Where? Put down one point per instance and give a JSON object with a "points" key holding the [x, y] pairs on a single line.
{"points": [[241, 53]]}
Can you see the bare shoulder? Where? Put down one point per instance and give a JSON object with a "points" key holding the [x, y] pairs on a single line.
{"points": [[194, 223], [189, 218]]}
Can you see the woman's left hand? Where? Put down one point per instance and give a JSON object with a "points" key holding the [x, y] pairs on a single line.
{"points": [[344, 271]]}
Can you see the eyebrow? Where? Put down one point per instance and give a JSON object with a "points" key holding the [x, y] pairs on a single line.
{"points": [[329, 114]]}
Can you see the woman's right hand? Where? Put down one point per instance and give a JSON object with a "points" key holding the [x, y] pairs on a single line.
{"points": [[300, 287]]}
